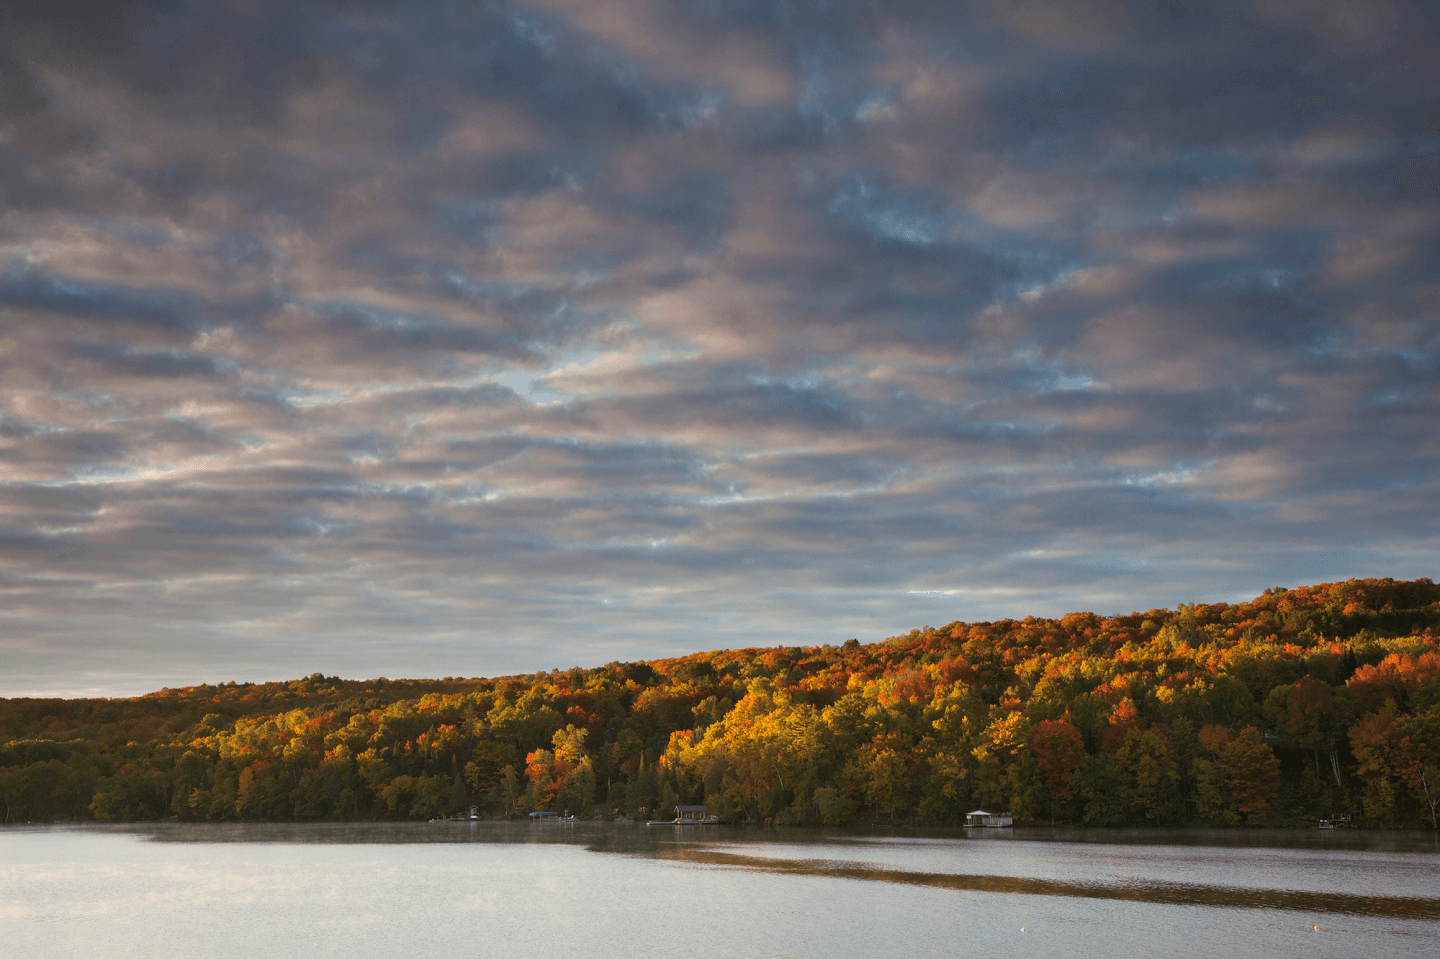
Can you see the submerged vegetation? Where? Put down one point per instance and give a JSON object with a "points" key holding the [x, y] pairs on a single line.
{"points": [[1305, 703]]}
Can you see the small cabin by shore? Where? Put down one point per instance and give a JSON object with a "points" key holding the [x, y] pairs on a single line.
{"points": [[982, 818], [692, 813]]}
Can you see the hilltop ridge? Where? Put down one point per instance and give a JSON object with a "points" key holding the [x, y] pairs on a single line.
{"points": [[1302, 703]]}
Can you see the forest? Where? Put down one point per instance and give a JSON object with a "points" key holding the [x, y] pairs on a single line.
{"points": [[1302, 704]]}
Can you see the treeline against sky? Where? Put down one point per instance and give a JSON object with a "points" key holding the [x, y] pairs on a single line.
{"points": [[1304, 703]]}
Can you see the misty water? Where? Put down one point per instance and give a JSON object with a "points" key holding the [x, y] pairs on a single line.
{"points": [[517, 890]]}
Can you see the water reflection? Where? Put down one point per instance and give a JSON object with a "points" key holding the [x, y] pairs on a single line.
{"points": [[617, 837], [616, 891], [1169, 893], [716, 846]]}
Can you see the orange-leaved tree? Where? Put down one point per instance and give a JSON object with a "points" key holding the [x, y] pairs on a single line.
{"points": [[1058, 748]]}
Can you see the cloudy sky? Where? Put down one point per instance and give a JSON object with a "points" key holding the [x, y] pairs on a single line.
{"points": [[468, 338]]}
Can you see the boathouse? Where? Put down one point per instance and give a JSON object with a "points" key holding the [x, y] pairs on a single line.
{"points": [[982, 818], [692, 813]]}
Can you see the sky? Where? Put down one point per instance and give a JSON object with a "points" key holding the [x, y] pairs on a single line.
{"points": [[471, 339]]}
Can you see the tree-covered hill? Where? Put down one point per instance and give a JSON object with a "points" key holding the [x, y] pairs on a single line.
{"points": [[1301, 704]]}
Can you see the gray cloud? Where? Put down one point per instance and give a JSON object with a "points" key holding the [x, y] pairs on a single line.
{"points": [[479, 339]]}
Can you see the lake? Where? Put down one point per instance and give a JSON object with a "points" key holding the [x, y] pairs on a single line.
{"points": [[517, 890]]}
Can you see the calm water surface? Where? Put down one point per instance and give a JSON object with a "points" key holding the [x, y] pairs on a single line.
{"points": [[591, 889]]}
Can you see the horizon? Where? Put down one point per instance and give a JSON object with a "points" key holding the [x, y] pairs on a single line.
{"points": [[461, 340], [461, 679]]}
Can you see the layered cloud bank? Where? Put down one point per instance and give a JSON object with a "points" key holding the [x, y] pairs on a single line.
{"points": [[473, 339]]}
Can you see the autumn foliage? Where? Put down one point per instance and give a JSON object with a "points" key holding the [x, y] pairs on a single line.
{"points": [[1300, 704]]}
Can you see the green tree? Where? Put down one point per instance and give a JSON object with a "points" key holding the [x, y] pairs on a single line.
{"points": [[833, 806], [1148, 764], [135, 792], [399, 795], [1100, 783]]}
